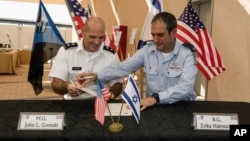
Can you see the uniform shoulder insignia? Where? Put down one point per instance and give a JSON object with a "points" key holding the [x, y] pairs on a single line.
{"points": [[148, 42], [143, 43], [69, 45], [109, 49], [190, 46]]}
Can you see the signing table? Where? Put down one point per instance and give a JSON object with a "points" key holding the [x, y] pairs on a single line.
{"points": [[160, 122], [9, 60]]}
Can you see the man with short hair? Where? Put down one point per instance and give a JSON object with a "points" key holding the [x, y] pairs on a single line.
{"points": [[169, 66], [87, 55]]}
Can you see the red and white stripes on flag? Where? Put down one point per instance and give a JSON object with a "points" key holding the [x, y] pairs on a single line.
{"points": [[190, 29], [108, 42], [78, 15], [100, 105], [103, 95]]}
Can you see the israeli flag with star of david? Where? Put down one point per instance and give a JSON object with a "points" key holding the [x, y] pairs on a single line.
{"points": [[132, 97]]}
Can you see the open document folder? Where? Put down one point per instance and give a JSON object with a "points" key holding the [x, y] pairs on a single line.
{"points": [[85, 93], [115, 108]]}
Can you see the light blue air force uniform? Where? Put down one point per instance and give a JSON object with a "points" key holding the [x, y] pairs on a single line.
{"points": [[173, 77]]}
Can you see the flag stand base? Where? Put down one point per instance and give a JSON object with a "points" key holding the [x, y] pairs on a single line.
{"points": [[115, 128]]}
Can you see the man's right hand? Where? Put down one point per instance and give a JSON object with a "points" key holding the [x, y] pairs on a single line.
{"points": [[83, 80], [72, 90]]}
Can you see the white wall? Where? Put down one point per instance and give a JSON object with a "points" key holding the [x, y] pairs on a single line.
{"points": [[21, 35], [23, 11]]}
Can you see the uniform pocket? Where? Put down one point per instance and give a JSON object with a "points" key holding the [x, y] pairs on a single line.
{"points": [[151, 72], [174, 73], [73, 73]]}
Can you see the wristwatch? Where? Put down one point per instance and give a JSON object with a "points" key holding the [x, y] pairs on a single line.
{"points": [[156, 96]]}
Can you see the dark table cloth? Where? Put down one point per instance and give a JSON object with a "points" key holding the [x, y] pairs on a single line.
{"points": [[157, 123]]}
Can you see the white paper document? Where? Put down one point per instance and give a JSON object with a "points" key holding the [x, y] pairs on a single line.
{"points": [[89, 91], [115, 109]]}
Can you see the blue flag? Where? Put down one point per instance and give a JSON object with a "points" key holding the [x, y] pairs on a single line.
{"points": [[155, 8], [47, 41], [132, 97]]}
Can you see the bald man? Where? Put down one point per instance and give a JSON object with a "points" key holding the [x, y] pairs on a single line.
{"points": [[87, 55]]}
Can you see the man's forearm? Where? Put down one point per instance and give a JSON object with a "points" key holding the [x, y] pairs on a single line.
{"points": [[59, 86]]}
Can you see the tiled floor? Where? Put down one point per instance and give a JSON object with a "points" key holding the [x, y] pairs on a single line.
{"points": [[17, 86]]}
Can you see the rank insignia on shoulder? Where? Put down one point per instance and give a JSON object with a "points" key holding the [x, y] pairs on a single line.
{"points": [[109, 49], [190, 46], [148, 42], [141, 43], [69, 45]]}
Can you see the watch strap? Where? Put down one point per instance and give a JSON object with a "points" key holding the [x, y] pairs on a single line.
{"points": [[156, 96]]}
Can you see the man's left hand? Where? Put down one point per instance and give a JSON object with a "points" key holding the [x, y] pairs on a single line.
{"points": [[147, 102]]}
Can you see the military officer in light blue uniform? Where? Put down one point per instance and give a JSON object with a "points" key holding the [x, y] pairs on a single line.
{"points": [[169, 66]]}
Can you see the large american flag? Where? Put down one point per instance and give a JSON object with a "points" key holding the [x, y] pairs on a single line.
{"points": [[191, 30], [100, 102], [78, 14]]}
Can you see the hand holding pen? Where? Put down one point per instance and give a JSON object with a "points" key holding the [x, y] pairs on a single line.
{"points": [[78, 92], [86, 78]]}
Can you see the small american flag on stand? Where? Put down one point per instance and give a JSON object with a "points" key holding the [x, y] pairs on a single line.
{"points": [[191, 30], [78, 15], [100, 102]]}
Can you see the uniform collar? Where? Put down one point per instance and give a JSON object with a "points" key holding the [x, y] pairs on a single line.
{"points": [[80, 47], [176, 49]]}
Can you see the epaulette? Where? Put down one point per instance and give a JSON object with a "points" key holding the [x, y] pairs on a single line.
{"points": [[190, 46], [109, 49], [143, 43], [148, 42], [69, 45]]}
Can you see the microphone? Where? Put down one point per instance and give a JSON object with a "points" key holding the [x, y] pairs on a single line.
{"points": [[10, 43]]}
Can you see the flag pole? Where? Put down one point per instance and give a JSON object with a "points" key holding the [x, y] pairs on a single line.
{"points": [[120, 113], [116, 127], [119, 51], [138, 73], [211, 30], [110, 113]]}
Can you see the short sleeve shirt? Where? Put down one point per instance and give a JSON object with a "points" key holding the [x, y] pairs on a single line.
{"points": [[75, 59]]}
